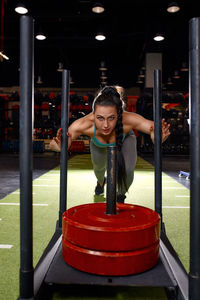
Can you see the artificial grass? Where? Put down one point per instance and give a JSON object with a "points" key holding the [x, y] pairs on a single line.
{"points": [[81, 183], [175, 209]]}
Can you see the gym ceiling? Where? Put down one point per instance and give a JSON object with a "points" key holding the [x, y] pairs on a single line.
{"points": [[70, 27]]}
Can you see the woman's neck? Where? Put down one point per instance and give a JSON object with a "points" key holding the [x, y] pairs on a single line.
{"points": [[106, 139]]}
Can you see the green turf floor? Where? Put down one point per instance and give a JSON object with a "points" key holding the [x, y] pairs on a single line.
{"points": [[81, 183]]}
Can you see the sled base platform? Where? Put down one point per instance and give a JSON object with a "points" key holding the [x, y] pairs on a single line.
{"points": [[61, 273], [168, 273]]}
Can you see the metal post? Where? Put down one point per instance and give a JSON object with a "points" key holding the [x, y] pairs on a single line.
{"points": [[157, 100], [26, 222], [64, 144], [111, 180], [194, 88]]}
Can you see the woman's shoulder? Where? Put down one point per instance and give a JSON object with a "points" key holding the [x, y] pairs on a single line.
{"points": [[130, 120], [87, 120], [84, 125], [129, 116]]}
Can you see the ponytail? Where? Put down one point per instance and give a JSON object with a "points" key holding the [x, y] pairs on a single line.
{"points": [[109, 96], [121, 169]]}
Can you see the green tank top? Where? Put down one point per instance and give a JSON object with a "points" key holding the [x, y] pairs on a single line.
{"points": [[98, 143]]}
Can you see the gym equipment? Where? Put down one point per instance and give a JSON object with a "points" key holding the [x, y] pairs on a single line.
{"points": [[52, 269], [133, 227], [106, 239], [167, 272], [194, 88], [110, 263], [184, 174], [26, 165]]}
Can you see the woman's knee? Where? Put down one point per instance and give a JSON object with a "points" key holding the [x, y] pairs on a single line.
{"points": [[129, 177]]}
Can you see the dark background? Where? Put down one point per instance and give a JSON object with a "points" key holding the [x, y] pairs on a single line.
{"points": [[70, 27]]}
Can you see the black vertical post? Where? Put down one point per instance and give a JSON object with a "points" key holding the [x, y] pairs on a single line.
{"points": [[157, 102], [111, 180], [194, 88], [64, 144], [26, 222]]}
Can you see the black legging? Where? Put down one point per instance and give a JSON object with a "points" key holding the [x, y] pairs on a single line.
{"points": [[99, 159]]}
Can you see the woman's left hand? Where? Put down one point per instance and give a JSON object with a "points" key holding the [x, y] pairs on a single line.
{"points": [[165, 131]]}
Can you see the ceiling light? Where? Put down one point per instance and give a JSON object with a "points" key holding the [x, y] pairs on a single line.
{"points": [[158, 37], [39, 80], [71, 80], [176, 75], [139, 80], [184, 67], [169, 81], [40, 36], [103, 66], [97, 8], [21, 9], [100, 37], [103, 75], [60, 67], [173, 7], [4, 56], [141, 75]]}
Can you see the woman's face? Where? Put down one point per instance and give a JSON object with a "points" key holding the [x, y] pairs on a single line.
{"points": [[105, 118]]}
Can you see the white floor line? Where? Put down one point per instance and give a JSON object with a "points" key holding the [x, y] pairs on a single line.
{"points": [[45, 179], [182, 196], [0, 219], [47, 185], [166, 188], [17, 193], [34, 204], [176, 207], [4, 246], [174, 188]]}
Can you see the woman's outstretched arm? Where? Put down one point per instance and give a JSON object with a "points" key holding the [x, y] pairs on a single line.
{"points": [[78, 127]]}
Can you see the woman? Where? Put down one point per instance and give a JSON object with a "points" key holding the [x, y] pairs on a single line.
{"points": [[108, 125]]}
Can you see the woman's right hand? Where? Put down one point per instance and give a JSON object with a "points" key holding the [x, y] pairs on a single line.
{"points": [[55, 144]]}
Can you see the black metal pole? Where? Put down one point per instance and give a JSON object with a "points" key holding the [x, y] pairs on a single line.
{"points": [[157, 100], [111, 180], [194, 88], [64, 144], [26, 99]]}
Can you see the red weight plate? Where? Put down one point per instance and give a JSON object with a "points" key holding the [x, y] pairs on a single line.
{"points": [[133, 227], [110, 263]]}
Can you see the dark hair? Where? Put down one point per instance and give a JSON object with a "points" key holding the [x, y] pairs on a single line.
{"points": [[109, 96]]}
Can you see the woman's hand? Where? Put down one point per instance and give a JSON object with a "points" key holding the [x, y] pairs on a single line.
{"points": [[165, 131], [55, 144]]}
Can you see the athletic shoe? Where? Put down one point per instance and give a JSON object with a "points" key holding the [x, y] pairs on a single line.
{"points": [[99, 190], [121, 198]]}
